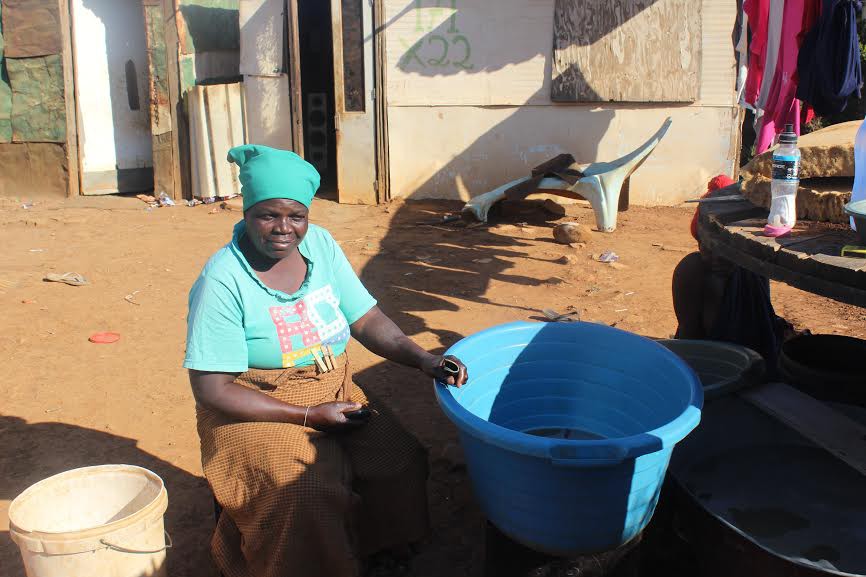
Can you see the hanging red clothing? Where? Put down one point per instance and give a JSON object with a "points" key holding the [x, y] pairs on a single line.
{"points": [[781, 106], [758, 12]]}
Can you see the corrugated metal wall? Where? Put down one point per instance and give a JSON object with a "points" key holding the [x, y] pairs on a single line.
{"points": [[216, 123]]}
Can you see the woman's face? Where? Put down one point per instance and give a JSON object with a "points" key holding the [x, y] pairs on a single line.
{"points": [[276, 227]]}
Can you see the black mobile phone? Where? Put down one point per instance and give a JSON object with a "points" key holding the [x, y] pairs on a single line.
{"points": [[362, 414]]}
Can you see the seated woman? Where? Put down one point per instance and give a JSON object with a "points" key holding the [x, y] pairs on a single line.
{"points": [[307, 488]]}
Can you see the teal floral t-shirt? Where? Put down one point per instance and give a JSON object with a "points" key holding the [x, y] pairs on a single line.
{"points": [[236, 322]]}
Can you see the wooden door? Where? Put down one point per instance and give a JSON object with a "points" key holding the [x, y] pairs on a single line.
{"points": [[355, 116], [111, 79]]}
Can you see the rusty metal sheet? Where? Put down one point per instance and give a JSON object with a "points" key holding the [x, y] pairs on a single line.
{"points": [[32, 28], [160, 106], [216, 124], [38, 108]]}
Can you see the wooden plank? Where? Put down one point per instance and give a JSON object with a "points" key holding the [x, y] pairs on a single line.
{"points": [[383, 159], [179, 158], [808, 258], [294, 68], [222, 138], [822, 260], [626, 50], [855, 295], [160, 101], [726, 212], [837, 433], [160, 106], [73, 185]]}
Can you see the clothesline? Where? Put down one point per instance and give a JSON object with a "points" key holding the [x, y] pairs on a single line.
{"points": [[796, 50]]}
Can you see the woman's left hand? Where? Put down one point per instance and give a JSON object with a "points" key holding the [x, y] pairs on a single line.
{"points": [[435, 367]]}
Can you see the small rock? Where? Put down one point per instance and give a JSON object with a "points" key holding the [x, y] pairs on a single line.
{"points": [[565, 259], [571, 232], [553, 207]]}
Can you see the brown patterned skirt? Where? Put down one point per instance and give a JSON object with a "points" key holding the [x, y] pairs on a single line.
{"points": [[301, 503]]}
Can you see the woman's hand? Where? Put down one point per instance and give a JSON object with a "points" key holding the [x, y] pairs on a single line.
{"points": [[331, 417], [380, 335], [435, 367]]}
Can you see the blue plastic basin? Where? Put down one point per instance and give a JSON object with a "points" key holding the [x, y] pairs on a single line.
{"points": [[568, 429]]}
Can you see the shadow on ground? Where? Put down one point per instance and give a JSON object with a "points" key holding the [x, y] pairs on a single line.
{"points": [[31, 452]]}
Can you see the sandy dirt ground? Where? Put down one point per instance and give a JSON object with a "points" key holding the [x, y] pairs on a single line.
{"points": [[68, 403]]}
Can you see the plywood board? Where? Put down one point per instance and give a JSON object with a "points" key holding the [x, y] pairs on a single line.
{"points": [[32, 28], [718, 66], [626, 51], [500, 53], [262, 24]]}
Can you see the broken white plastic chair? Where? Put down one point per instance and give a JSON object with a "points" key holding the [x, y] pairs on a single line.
{"points": [[601, 185]]}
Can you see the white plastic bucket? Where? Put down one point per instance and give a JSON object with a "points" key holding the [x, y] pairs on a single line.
{"points": [[104, 521]]}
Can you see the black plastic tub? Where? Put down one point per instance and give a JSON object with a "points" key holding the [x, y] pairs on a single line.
{"points": [[753, 498], [827, 367], [722, 367]]}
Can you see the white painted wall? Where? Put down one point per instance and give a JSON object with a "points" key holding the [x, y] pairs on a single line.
{"points": [[466, 121], [108, 33]]}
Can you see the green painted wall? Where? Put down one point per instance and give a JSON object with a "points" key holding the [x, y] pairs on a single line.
{"points": [[5, 93], [210, 46], [32, 105]]}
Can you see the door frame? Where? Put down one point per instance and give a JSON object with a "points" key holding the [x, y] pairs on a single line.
{"points": [[376, 89], [293, 64], [70, 96], [380, 87]]}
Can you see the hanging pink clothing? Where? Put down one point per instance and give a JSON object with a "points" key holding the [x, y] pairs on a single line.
{"points": [[758, 14], [781, 106]]}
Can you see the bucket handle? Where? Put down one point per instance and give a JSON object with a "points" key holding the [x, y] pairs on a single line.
{"points": [[576, 457], [119, 549]]}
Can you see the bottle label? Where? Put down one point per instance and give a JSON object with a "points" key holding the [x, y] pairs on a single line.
{"points": [[786, 168]]}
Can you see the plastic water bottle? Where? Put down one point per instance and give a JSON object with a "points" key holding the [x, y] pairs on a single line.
{"points": [[859, 190], [783, 188]]}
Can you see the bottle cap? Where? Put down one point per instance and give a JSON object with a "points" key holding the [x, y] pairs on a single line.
{"points": [[788, 136]]}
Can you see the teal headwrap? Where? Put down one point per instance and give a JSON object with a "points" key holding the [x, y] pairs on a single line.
{"points": [[267, 173]]}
